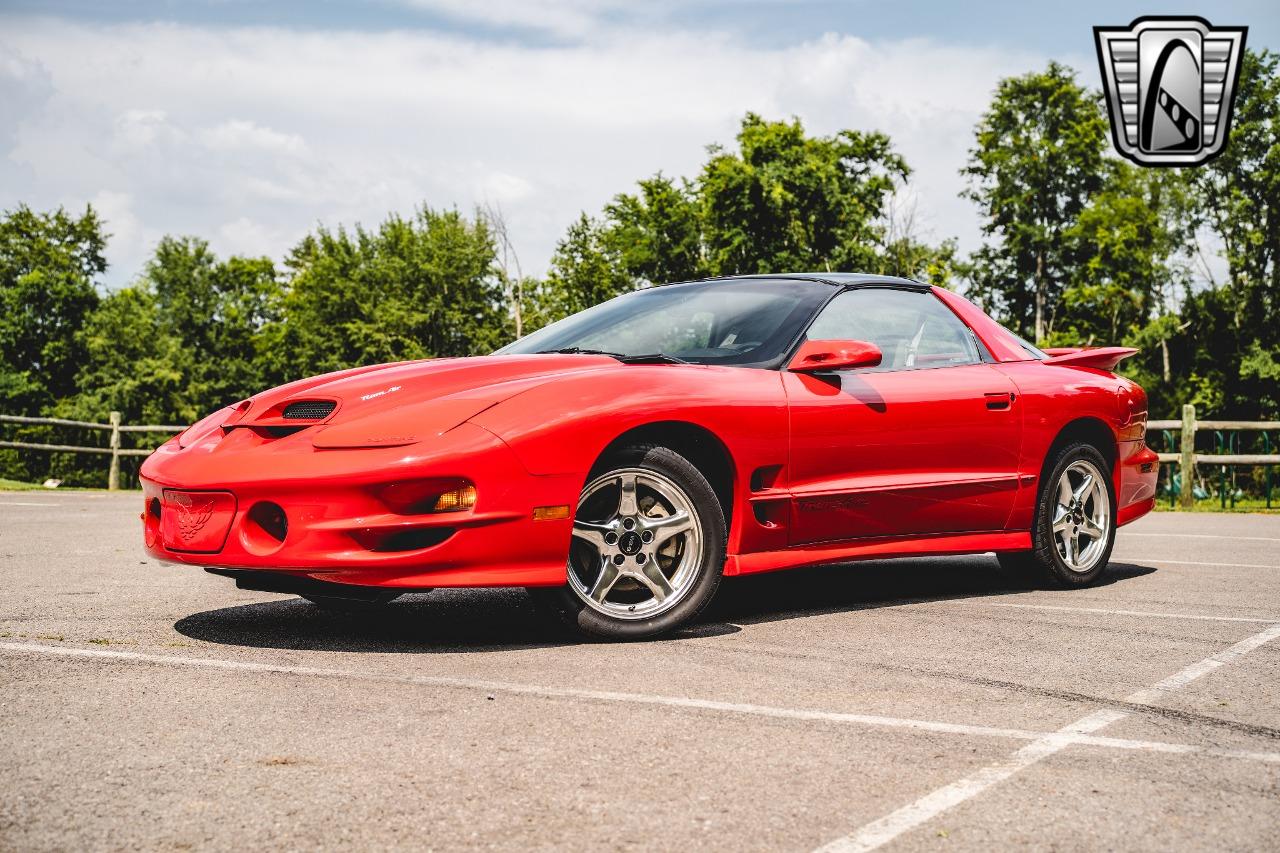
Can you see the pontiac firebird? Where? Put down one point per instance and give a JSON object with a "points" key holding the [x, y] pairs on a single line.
{"points": [[619, 462]]}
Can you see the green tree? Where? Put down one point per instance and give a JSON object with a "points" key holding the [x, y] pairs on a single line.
{"points": [[184, 339], [786, 201], [1037, 162], [1239, 191], [49, 263], [783, 201], [906, 254], [1224, 350], [586, 269], [421, 287], [658, 231], [133, 364], [909, 257], [1130, 266], [1123, 253], [216, 311]]}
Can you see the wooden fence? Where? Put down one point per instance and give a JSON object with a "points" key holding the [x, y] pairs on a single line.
{"points": [[113, 445], [1186, 460]]}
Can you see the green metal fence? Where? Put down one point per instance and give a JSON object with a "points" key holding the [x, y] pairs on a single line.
{"points": [[1229, 439]]}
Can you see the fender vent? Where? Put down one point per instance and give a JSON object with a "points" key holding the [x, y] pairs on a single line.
{"points": [[308, 410]]}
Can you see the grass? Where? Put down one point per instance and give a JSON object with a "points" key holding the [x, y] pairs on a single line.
{"points": [[18, 486], [1214, 504], [7, 485]]}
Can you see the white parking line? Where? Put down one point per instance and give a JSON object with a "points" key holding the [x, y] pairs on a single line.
{"points": [[892, 825], [1148, 613], [1180, 679], [23, 503], [1126, 534], [908, 817], [1140, 560], [736, 708]]}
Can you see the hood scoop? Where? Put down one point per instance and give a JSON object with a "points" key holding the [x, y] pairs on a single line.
{"points": [[308, 410], [285, 417]]}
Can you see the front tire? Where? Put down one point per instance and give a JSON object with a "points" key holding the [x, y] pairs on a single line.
{"points": [[648, 547], [1075, 523]]}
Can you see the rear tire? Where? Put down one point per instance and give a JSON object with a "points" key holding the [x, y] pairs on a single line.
{"points": [[1074, 528], [647, 551]]}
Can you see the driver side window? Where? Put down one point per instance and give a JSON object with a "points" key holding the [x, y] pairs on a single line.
{"points": [[913, 330]]}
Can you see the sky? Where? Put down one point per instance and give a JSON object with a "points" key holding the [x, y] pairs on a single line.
{"points": [[249, 123]]}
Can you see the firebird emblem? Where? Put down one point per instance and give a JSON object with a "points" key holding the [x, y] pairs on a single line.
{"points": [[191, 518]]}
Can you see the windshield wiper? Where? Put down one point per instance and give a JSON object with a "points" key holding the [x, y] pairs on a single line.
{"points": [[651, 358], [579, 351], [645, 358]]}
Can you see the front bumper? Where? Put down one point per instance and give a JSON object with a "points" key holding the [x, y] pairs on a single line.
{"points": [[342, 525]]}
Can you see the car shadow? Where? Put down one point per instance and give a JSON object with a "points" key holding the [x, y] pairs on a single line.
{"points": [[490, 620], [870, 585]]}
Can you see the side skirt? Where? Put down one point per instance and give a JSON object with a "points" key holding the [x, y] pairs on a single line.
{"points": [[870, 549]]}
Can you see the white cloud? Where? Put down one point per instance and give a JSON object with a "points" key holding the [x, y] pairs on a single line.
{"points": [[244, 236], [117, 209], [24, 86], [505, 189], [239, 135], [140, 129], [250, 136], [559, 17]]}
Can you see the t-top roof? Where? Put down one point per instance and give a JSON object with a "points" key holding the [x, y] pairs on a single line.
{"points": [[836, 279]]}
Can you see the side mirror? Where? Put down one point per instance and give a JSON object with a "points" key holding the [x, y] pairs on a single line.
{"points": [[819, 356]]}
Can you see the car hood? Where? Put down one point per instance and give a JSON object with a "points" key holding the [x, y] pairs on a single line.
{"points": [[404, 402]]}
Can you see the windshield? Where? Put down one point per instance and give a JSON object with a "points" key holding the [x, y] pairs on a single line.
{"points": [[749, 323]]}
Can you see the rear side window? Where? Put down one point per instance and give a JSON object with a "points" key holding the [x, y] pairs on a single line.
{"points": [[1036, 353], [912, 330]]}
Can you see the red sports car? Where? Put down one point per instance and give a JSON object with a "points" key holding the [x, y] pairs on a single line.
{"points": [[621, 461]]}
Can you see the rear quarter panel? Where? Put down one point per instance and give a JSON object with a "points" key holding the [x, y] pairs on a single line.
{"points": [[1053, 396]]}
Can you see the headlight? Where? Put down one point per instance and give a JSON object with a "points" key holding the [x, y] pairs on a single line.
{"points": [[454, 500]]}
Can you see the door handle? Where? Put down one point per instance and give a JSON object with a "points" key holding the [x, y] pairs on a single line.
{"points": [[999, 401]]}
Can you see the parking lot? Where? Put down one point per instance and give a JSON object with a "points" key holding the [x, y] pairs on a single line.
{"points": [[921, 704]]}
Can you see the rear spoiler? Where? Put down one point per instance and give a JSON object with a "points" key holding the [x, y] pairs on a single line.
{"points": [[1101, 358]]}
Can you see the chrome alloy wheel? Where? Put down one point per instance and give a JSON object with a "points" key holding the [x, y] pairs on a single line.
{"points": [[1082, 516], [637, 544]]}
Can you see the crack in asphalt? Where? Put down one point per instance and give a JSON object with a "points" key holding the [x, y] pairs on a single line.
{"points": [[1191, 717]]}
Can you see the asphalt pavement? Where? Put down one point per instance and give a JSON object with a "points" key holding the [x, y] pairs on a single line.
{"points": [[916, 705]]}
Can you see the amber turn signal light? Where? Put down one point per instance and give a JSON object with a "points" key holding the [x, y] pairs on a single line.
{"points": [[463, 497], [550, 513]]}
